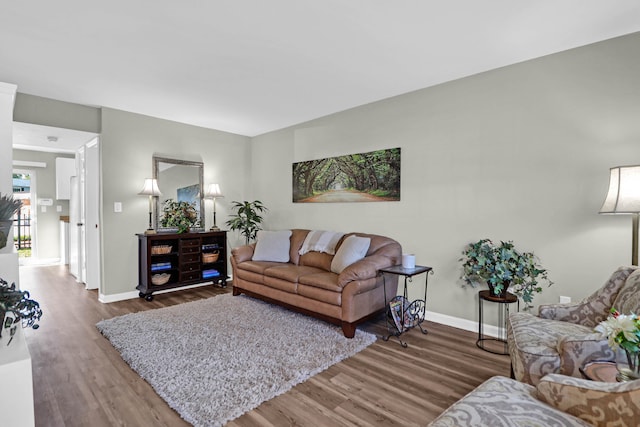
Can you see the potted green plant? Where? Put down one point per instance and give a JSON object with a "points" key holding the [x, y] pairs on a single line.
{"points": [[15, 306], [502, 267], [181, 215], [247, 219], [8, 207]]}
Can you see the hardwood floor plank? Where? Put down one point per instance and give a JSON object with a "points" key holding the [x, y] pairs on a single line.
{"points": [[79, 379]]}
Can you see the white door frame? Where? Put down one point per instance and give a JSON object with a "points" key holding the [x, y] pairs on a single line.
{"points": [[74, 240], [92, 214]]}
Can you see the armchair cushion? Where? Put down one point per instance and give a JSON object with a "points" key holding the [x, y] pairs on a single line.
{"points": [[600, 404], [503, 402], [534, 345]]}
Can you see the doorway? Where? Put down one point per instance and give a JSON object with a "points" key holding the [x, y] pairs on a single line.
{"points": [[24, 230], [44, 147]]}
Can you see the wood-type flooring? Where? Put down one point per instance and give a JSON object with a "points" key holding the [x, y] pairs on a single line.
{"points": [[79, 379]]}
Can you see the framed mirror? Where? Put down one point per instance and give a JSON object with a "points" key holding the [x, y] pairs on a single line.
{"points": [[180, 180]]}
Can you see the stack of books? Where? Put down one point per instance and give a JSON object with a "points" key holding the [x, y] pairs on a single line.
{"points": [[209, 274], [161, 266]]}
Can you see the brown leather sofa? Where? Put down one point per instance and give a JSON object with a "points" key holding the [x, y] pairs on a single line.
{"points": [[307, 284]]}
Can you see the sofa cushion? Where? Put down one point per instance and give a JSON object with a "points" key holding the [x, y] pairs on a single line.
{"points": [[600, 404], [297, 239], [325, 280], [503, 402], [280, 284], [290, 272], [258, 267], [248, 275], [628, 299], [316, 259], [352, 249], [272, 246], [319, 294]]}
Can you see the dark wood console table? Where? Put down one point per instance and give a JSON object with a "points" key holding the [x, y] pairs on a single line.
{"points": [[172, 260]]}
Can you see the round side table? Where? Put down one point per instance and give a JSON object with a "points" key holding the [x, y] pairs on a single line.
{"points": [[503, 315]]}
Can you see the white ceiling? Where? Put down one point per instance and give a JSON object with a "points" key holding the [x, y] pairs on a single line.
{"points": [[28, 136], [253, 66]]}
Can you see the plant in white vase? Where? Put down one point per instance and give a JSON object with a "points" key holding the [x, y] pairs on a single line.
{"points": [[623, 332]]}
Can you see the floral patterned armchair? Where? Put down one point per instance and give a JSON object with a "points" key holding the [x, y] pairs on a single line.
{"points": [[561, 339], [557, 400]]}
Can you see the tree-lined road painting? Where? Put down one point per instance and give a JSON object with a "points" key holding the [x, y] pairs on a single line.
{"points": [[363, 177]]}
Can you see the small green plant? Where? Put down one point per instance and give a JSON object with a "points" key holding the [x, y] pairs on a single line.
{"points": [[247, 220], [503, 267], [17, 302], [181, 215], [8, 206]]}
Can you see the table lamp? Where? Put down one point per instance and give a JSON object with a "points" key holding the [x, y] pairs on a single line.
{"points": [[150, 189], [623, 197], [213, 191]]}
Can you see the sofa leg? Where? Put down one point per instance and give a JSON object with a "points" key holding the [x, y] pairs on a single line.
{"points": [[236, 291], [513, 374], [348, 329]]}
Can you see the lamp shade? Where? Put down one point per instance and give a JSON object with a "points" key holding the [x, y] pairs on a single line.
{"points": [[623, 196], [213, 191], [150, 188]]}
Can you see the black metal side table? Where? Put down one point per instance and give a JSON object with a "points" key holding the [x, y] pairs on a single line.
{"points": [[503, 315], [402, 314]]}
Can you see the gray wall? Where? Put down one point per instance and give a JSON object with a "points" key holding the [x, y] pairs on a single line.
{"points": [[50, 112], [519, 153], [48, 223], [128, 143]]}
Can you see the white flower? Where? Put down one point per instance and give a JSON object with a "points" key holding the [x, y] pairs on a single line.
{"points": [[614, 326]]}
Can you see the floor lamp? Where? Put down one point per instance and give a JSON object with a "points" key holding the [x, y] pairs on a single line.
{"points": [[213, 192], [623, 197], [150, 189]]}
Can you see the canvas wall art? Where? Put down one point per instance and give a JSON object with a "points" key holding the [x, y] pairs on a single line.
{"points": [[362, 177]]}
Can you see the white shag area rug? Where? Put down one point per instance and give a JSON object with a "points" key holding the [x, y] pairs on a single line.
{"points": [[215, 359]]}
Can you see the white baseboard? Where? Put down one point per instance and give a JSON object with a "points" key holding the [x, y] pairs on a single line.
{"points": [[134, 294], [432, 316], [465, 324], [25, 261]]}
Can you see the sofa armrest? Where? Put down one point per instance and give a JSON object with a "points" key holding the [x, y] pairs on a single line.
{"points": [[243, 253], [576, 350], [366, 268], [597, 403]]}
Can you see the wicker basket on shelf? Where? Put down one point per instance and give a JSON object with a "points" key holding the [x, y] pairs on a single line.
{"points": [[210, 257], [160, 279], [161, 249]]}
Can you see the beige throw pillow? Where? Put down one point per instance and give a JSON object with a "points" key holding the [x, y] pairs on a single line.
{"points": [[272, 246], [353, 249], [600, 404]]}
